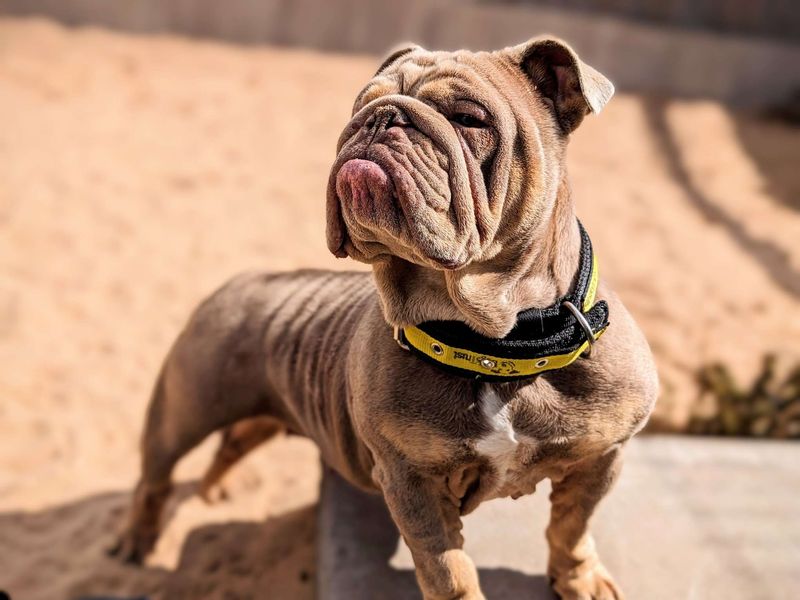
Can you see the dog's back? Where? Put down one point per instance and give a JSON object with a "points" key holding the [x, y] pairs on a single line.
{"points": [[278, 343]]}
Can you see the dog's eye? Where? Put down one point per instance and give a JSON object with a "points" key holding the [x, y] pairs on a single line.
{"points": [[467, 120]]}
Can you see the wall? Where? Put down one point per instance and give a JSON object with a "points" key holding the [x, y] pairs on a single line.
{"points": [[741, 70]]}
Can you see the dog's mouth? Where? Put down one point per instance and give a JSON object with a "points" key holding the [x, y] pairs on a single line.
{"points": [[366, 189], [377, 221], [360, 196], [399, 188]]}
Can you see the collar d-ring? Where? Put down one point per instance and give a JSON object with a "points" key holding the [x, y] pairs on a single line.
{"points": [[581, 319], [398, 337]]}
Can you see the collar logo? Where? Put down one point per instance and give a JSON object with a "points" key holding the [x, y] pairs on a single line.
{"points": [[499, 367]]}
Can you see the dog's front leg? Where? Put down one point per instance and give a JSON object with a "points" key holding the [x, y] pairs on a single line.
{"points": [[430, 523], [574, 566]]}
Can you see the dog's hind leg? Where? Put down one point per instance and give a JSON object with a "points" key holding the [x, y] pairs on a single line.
{"points": [[212, 378], [237, 440], [183, 411], [167, 437]]}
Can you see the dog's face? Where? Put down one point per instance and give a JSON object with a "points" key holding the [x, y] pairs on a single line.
{"points": [[444, 148]]}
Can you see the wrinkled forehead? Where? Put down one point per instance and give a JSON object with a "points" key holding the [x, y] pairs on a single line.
{"points": [[439, 76]]}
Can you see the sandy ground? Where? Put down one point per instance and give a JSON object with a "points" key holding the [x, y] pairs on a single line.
{"points": [[138, 173]]}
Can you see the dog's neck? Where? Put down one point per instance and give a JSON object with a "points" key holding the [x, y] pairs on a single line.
{"points": [[531, 272]]}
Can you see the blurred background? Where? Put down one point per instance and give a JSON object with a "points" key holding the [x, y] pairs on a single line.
{"points": [[149, 150]]}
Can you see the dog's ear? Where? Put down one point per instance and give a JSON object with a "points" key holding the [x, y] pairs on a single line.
{"points": [[573, 87], [394, 54]]}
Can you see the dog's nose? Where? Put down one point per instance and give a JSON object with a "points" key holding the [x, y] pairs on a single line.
{"points": [[385, 117]]}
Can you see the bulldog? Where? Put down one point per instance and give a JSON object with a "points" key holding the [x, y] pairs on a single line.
{"points": [[470, 364]]}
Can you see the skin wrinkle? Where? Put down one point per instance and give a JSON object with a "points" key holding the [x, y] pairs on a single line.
{"points": [[430, 156], [274, 319], [302, 319], [284, 363], [413, 202], [500, 116], [531, 142], [427, 175], [432, 231], [536, 216], [438, 199], [478, 190]]}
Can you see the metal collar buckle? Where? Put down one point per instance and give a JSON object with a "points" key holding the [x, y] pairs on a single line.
{"points": [[587, 329], [400, 339]]}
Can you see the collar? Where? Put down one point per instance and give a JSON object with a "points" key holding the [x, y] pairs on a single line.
{"points": [[542, 340]]}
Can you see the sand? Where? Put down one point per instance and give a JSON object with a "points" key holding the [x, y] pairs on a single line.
{"points": [[138, 173]]}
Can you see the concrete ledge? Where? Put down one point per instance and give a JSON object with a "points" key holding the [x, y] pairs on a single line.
{"points": [[690, 518]]}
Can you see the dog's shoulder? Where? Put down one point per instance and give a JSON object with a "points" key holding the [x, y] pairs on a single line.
{"points": [[612, 392]]}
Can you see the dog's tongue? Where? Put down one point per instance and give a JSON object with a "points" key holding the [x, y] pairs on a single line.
{"points": [[364, 184]]}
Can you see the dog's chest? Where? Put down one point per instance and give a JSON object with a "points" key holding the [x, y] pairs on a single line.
{"points": [[514, 453]]}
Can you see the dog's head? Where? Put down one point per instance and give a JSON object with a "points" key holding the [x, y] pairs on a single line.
{"points": [[445, 148]]}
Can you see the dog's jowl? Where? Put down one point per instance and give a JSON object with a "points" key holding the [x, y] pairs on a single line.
{"points": [[483, 354]]}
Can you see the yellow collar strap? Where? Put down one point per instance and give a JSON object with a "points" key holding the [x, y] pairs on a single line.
{"points": [[543, 338]]}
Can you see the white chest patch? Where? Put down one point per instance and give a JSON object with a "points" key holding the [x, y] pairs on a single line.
{"points": [[500, 445]]}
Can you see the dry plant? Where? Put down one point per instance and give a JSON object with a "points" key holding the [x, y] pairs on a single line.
{"points": [[769, 408]]}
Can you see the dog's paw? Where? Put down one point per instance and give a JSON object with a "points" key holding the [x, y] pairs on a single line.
{"points": [[476, 595], [594, 583], [213, 493], [214, 490], [131, 548]]}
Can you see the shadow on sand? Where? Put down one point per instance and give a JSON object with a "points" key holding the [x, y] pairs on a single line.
{"points": [[774, 260], [773, 145], [60, 553]]}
